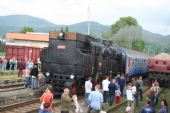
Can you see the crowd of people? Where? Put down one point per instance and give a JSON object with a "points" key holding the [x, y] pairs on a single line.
{"points": [[33, 76], [26, 68], [9, 64], [110, 91]]}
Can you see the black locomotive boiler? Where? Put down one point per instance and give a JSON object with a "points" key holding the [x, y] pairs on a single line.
{"points": [[71, 57]]}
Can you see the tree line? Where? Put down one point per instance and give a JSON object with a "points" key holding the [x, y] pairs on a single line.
{"points": [[126, 33]]}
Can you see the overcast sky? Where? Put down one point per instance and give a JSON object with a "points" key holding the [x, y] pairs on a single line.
{"points": [[152, 15]]}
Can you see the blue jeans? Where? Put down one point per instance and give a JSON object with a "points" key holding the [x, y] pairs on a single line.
{"points": [[87, 99], [141, 94], [34, 83], [121, 90], [44, 111], [112, 96], [136, 97], [28, 82], [0, 67]]}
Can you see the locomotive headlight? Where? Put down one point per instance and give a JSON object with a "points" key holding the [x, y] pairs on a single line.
{"points": [[72, 76], [47, 74]]}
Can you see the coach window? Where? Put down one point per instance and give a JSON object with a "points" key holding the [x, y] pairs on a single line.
{"points": [[144, 62], [132, 62]]}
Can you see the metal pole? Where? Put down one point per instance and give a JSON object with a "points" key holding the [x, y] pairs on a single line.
{"points": [[89, 21]]}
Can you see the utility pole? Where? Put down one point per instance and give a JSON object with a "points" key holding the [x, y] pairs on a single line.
{"points": [[89, 21]]}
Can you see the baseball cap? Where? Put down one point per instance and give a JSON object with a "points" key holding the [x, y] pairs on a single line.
{"points": [[128, 109]]}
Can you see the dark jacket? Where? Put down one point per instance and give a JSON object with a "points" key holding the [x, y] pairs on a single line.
{"points": [[122, 81], [163, 109], [112, 87], [147, 109], [34, 72]]}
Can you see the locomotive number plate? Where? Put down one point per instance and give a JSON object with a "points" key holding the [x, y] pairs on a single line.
{"points": [[61, 47]]}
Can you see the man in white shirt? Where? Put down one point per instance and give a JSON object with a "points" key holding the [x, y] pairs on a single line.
{"points": [[105, 84], [88, 87]]}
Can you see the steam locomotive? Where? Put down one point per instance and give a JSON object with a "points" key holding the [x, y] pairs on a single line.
{"points": [[71, 57]]}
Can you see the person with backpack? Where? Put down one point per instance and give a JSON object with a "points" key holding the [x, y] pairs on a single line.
{"points": [[46, 101]]}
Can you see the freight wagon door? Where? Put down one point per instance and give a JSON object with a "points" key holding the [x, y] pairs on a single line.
{"points": [[35, 54], [20, 54], [8, 52], [15, 53]]}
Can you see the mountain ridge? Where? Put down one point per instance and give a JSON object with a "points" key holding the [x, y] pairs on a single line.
{"points": [[14, 23]]}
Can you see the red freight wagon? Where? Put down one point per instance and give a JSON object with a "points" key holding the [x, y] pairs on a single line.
{"points": [[159, 67], [22, 52]]}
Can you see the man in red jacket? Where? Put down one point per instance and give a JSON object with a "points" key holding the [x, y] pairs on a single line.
{"points": [[21, 67], [46, 100]]}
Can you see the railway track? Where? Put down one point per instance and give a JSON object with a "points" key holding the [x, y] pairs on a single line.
{"points": [[124, 103], [11, 89], [5, 86], [31, 106]]}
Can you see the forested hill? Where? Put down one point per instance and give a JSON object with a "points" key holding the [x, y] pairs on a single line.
{"points": [[14, 23]]}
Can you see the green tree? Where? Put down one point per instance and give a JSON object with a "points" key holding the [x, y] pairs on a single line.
{"points": [[66, 29], [138, 44], [123, 21], [106, 35], [26, 29], [2, 46], [62, 29]]}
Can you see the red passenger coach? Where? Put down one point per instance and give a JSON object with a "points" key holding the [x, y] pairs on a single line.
{"points": [[25, 45]]}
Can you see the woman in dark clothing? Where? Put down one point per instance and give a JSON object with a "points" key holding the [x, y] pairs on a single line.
{"points": [[164, 107], [7, 65]]}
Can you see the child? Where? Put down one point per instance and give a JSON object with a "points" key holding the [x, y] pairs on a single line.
{"points": [[117, 94], [75, 100], [40, 80]]}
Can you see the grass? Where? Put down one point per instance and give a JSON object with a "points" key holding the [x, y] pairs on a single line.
{"points": [[122, 109], [9, 75], [164, 95]]}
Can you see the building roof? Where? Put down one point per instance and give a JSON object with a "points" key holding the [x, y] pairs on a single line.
{"points": [[28, 36]]}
